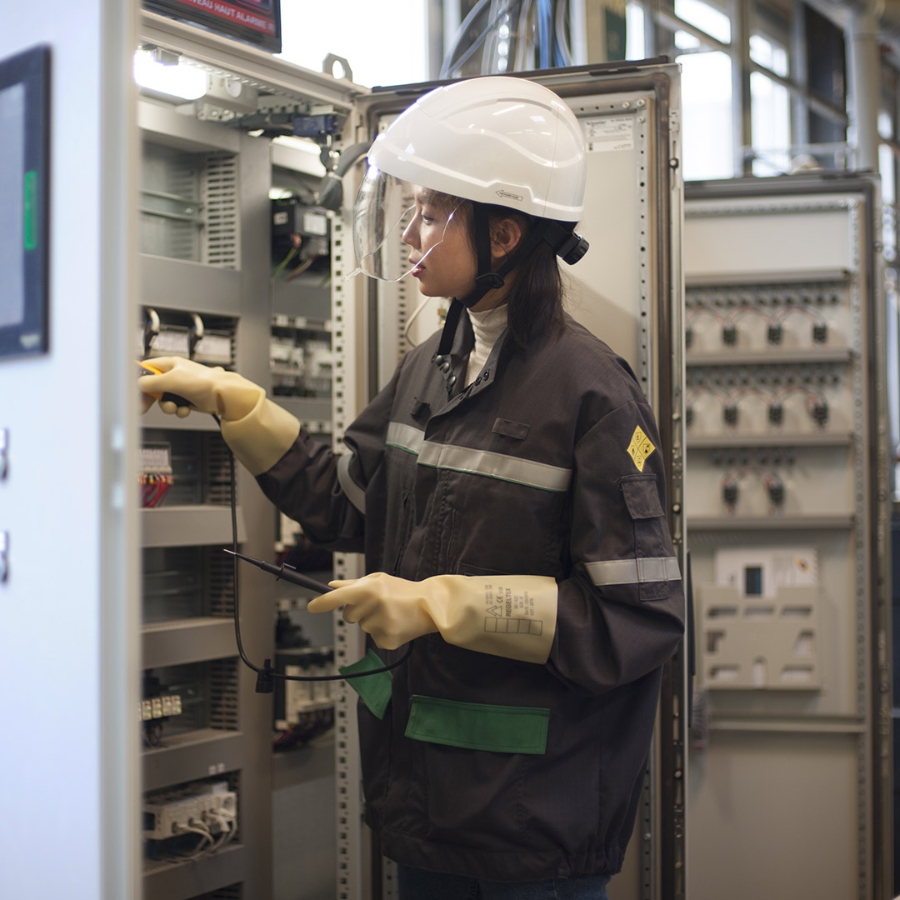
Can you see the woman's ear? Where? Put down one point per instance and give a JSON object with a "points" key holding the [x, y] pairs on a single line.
{"points": [[506, 234]]}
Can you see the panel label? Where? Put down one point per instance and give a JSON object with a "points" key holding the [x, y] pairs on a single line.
{"points": [[609, 133]]}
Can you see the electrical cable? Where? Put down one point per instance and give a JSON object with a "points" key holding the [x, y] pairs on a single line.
{"points": [[562, 40], [544, 23], [194, 829], [265, 674], [473, 13]]}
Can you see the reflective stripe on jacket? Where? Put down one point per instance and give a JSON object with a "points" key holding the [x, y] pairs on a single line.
{"points": [[548, 464]]}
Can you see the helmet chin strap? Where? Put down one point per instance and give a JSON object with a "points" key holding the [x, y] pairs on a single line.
{"points": [[570, 246]]}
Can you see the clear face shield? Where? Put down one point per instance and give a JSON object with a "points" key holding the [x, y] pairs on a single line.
{"points": [[397, 225]]}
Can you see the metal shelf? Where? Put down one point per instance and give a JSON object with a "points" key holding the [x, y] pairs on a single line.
{"points": [[196, 421], [189, 286], [191, 756], [191, 878], [190, 526], [770, 523], [809, 725], [770, 358], [715, 441], [187, 640], [751, 279]]}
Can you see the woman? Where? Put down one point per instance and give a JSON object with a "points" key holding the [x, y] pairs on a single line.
{"points": [[508, 492]]}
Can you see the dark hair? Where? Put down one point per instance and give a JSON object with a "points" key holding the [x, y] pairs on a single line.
{"points": [[536, 300]]}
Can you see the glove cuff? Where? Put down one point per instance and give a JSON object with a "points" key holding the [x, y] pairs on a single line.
{"points": [[513, 616], [261, 437]]}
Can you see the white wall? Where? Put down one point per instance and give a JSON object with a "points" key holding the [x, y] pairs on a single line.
{"points": [[68, 632], [384, 43]]}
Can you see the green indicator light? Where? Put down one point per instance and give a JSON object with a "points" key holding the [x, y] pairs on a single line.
{"points": [[31, 216]]}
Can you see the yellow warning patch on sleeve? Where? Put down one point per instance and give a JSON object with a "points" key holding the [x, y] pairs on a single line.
{"points": [[640, 448]]}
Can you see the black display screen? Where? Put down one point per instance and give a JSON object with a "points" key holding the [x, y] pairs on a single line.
{"points": [[255, 21], [24, 190]]}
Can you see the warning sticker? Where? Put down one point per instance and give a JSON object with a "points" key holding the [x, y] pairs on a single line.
{"points": [[640, 448], [609, 133]]}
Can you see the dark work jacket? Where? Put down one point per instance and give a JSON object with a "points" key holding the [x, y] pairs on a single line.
{"points": [[548, 464]]}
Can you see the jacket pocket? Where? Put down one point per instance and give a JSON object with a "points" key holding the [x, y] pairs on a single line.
{"points": [[477, 758], [651, 541], [518, 431], [478, 726]]}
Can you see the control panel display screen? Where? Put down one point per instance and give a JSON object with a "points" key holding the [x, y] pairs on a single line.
{"points": [[24, 155]]}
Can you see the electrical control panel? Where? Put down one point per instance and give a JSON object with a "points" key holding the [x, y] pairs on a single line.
{"points": [[785, 499]]}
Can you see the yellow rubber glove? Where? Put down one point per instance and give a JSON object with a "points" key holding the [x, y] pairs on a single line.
{"points": [[258, 431], [513, 616], [211, 390]]}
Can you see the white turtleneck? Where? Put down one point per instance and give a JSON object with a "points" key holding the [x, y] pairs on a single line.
{"points": [[487, 326]]}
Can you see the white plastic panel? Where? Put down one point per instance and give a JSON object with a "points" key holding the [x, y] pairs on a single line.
{"points": [[755, 236], [759, 643]]}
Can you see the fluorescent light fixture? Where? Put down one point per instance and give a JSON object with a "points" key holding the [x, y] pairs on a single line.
{"points": [[174, 79]]}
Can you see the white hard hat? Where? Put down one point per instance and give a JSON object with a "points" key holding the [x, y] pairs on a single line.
{"points": [[498, 140]]}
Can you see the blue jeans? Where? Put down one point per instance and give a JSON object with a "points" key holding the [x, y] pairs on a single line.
{"points": [[416, 884]]}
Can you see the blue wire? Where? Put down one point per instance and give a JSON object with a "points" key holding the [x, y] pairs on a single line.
{"points": [[545, 11]]}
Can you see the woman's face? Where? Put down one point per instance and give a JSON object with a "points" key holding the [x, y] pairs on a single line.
{"points": [[441, 255]]}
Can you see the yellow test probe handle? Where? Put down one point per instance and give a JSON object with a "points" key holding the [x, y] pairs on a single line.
{"points": [[144, 368]]}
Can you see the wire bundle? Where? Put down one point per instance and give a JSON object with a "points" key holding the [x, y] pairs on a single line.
{"points": [[154, 487], [216, 829], [519, 35]]}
